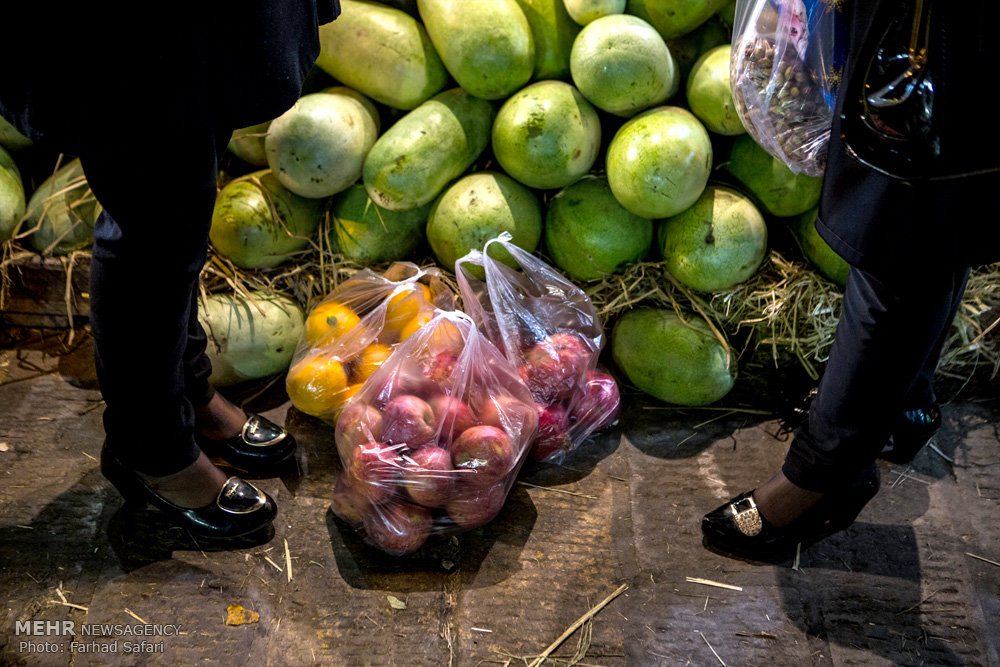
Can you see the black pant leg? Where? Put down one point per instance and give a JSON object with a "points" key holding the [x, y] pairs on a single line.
{"points": [[150, 244], [886, 336], [197, 365], [921, 394]]}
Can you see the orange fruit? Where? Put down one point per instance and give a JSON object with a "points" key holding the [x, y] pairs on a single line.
{"points": [[369, 360], [316, 384], [404, 306], [411, 327], [446, 337], [328, 321], [352, 390]]}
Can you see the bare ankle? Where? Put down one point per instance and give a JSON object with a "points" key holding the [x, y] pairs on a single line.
{"points": [[194, 486], [781, 502], [219, 418]]}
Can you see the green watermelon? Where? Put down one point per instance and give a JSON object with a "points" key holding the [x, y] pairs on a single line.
{"points": [[622, 65], [12, 203], [709, 95], [62, 211], [318, 147], [247, 143], [658, 163], [546, 135], [250, 339], [479, 207], [552, 32], [258, 223], [586, 11], [676, 360], [715, 244], [382, 52], [589, 235], [817, 250], [486, 45], [10, 138], [780, 191], [426, 149], [364, 232]]}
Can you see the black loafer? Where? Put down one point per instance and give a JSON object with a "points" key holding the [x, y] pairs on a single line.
{"points": [[240, 508], [738, 529], [913, 430], [261, 446]]}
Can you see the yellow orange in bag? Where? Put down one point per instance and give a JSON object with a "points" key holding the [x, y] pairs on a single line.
{"points": [[316, 385], [404, 306], [328, 321], [369, 360]]}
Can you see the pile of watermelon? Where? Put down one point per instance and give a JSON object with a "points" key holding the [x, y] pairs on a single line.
{"points": [[597, 132]]}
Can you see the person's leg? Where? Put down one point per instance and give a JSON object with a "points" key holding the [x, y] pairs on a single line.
{"points": [[921, 394], [215, 417], [149, 247], [885, 337]]}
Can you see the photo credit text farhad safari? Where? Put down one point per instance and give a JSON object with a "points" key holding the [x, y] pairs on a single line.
{"points": [[92, 637]]}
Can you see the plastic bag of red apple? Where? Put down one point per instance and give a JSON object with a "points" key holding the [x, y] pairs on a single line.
{"points": [[354, 329], [432, 442], [550, 331]]}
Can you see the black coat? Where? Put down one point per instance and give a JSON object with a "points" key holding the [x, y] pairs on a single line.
{"points": [[897, 229], [79, 72]]}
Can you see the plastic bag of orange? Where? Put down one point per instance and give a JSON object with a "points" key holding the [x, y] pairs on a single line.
{"points": [[353, 330], [432, 442]]}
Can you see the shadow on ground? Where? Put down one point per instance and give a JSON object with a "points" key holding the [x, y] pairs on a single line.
{"points": [[502, 540], [847, 609]]}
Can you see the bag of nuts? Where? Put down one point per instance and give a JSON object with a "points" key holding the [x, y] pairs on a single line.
{"points": [[786, 62]]}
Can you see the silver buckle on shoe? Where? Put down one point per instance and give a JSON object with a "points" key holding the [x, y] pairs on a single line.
{"points": [[746, 516], [250, 425], [259, 501]]}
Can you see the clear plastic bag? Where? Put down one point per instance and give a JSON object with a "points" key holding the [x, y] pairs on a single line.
{"points": [[354, 329], [432, 442], [550, 331], [785, 66]]}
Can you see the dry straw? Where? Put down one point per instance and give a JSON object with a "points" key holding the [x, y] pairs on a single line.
{"points": [[787, 308], [791, 309]]}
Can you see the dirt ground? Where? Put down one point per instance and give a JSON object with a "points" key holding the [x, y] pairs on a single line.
{"points": [[916, 581]]}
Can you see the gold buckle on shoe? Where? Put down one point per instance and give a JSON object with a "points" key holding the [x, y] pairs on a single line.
{"points": [[746, 516]]}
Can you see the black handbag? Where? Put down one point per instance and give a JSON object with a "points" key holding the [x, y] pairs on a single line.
{"points": [[905, 112]]}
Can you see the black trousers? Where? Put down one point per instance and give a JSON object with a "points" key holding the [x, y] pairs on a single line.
{"points": [[150, 244], [887, 346]]}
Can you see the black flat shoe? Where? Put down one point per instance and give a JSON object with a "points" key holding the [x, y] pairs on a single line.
{"points": [[738, 529], [240, 508], [261, 446], [913, 430]]}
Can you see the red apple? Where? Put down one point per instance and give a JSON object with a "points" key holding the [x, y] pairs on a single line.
{"points": [[438, 367], [359, 423], [452, 415], [553, 424], [408, 420], [597, 406], [428, 477], [568, 341], [372, 471], [473, 506], [486, 451], [406, 379], [509, 414], [554, 366], [347, 503], [398, 528]]}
